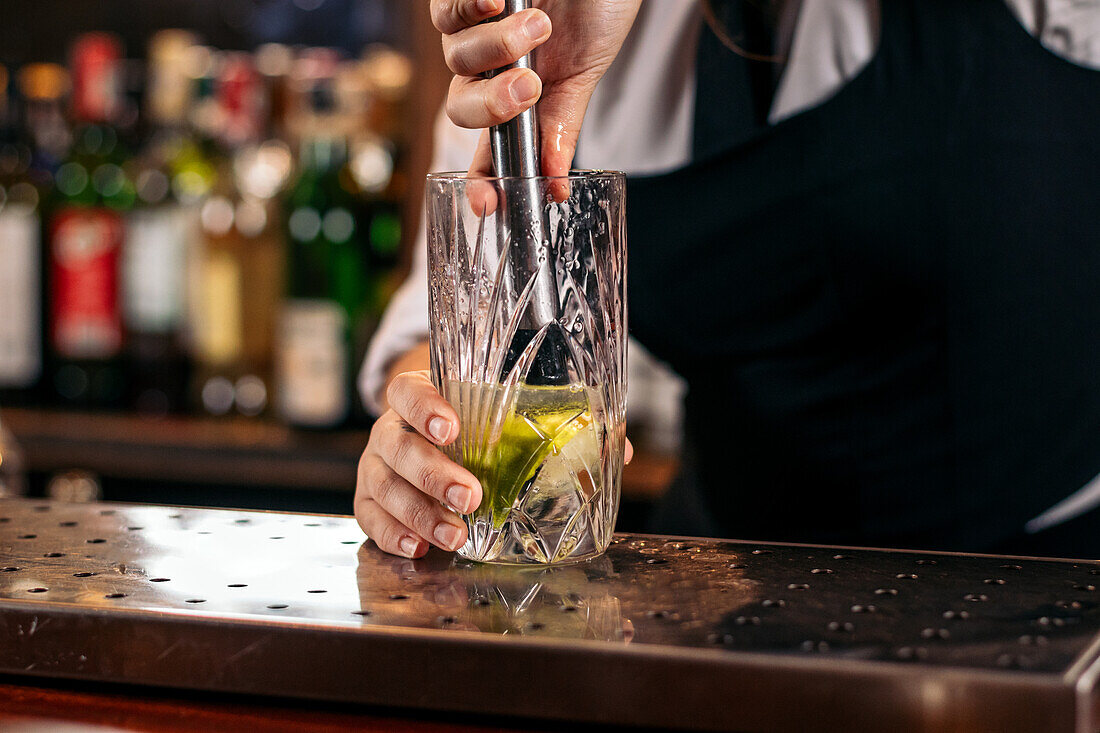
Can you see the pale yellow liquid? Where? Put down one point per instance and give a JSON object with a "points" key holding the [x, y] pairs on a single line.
{"points": [[535, 428]]}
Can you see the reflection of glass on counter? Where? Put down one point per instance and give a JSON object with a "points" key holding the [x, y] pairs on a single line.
{"points": [[441, 591], [558, 602]]}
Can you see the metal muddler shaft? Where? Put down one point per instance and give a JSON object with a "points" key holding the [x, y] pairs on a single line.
{"points": [[522, 219]]}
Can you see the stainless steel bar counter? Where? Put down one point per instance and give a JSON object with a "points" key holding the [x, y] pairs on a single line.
{"points": [[661, 632]]}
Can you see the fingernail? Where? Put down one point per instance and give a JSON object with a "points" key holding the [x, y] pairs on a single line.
{"points": [[537, 26], [486, 6], [458, 497], [440, 429], [447, 535], [409, 545], [524, 88]]}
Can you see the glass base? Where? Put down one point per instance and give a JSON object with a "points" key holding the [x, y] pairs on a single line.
{"points": [[519, 543], [525, 561]]}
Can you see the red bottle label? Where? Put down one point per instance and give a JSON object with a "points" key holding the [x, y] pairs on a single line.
{"points": [[85, 317], [97, 78], [241, 99]]}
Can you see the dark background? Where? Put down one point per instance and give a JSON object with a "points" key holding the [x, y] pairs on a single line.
{"points": [[41, 30]]}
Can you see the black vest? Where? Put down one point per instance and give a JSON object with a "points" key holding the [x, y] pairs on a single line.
{"points": [[887, 307]]}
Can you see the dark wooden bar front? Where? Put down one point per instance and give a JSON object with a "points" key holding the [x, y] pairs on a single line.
{"points": [[44, 708]]}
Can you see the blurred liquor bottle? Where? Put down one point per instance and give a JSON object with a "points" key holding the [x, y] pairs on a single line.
{"points": [[170, 177], [376, 164], [328, 283], [21, 333], [380, 80], [45, 89], [238, 273], [86, 233], [275, 61]]}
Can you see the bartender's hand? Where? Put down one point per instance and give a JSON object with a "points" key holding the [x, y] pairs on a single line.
{"points": [[403, 476], [587, 35]]}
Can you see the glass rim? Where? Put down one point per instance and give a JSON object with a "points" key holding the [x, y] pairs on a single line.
{"points": [[573, 175]]}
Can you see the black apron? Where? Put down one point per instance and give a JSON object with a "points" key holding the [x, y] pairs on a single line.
{"points": [[887, 308]]}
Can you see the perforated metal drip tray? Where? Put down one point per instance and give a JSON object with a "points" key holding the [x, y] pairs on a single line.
{"points": [[661, 632]]}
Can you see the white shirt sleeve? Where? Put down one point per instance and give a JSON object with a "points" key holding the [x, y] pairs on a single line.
{"points": [[405, 322]]}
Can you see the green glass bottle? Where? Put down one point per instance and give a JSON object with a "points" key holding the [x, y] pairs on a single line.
{"points": [[328, 286]]}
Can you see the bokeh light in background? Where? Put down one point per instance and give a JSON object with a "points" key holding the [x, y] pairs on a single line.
{"points": [[44, 29]]}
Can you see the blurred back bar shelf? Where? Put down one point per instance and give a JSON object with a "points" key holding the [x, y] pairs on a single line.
{"points": [[171, 459], [237, 451]]}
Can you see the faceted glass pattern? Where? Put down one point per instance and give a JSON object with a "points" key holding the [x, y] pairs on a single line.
{"points": [[528, 343]]}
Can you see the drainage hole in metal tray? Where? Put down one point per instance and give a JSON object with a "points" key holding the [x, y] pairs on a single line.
{"points": [[361, 613], [96, 541], [159, 580], [115, 595], [237, 585], [277, 606], [27, 536], [66, 524], [317, 591], [37, 590], [195, 600], [54, 554], [84, 574]]}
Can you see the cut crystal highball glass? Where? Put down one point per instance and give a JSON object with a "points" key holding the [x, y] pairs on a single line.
{"points": [[528, 343]]}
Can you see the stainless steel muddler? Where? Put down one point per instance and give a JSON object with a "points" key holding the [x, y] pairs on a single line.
{"points": [[523, 224]]}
